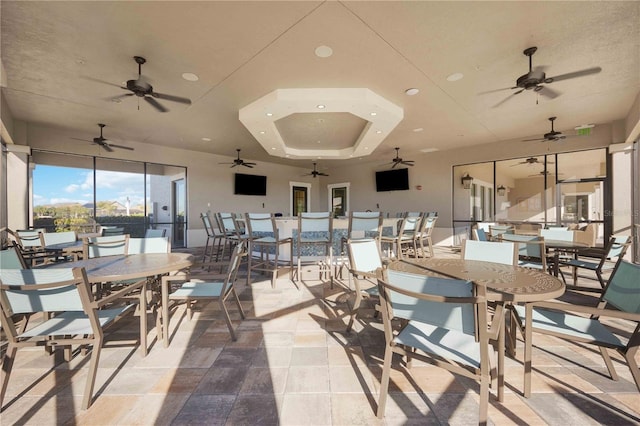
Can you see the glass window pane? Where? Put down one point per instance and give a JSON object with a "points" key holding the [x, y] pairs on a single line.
{"points": [[582, 165], [120, 195], [62, 192], [166, 201], [523, 180]]}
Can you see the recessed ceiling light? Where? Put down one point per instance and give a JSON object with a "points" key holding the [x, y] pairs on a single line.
{"points": [[412, 91], [206, 139], [455, 76], [287, 155], [317, 141], [80, 61], [418, 129], [262, 132], [323, 51], [320, 106], [273, 148], [429, 150], [585, 126], [378, 131], [189, 76], [366, 147], [269, 114], [373, 114]]}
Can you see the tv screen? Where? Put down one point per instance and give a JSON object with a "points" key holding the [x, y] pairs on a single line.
{"points": [[392, 180], [250, 184]]}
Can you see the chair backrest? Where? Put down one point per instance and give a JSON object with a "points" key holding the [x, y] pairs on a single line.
{"points": [[10, 258], [557, 234], [43, 290], [623, 289], [489, 251], [364, 255], [410, 225], [29, 238], [50, 238], [617, 247], [229, 223], [427, 225], [261, 225], [528, 245], [154, 233], [315, 222], [148, 245], [420, 297], [498, 230], [206, 221], [112, 230], [112, 245], [364, 225], [485, 226], [239, 251], [479, 234]]}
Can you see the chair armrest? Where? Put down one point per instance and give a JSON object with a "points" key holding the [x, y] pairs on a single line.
{"points": [[587, 310]]}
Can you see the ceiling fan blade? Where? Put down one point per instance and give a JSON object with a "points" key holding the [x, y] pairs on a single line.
{"points": [[106, 147], [171, 98], [83, 140], [534, 140], [124, 95], [551, 94], [250, 164], [155, 104], [103, 82], [322, 174], [121, 146], [496, 90], [506, 99], [395, 163], [581, 73], [247, 165]]}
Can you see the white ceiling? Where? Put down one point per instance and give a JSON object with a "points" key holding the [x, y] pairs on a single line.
{"points": [[57, 57]]}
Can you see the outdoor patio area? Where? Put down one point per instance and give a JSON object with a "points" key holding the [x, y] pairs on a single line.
{"points": [[294, 364]]}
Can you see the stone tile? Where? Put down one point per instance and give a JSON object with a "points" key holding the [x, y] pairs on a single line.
{"points": [[205, 410], [308, 380], [256, 410], [354, 409], [273, 357], [301, 357], [179, 380], [51, 410], [155, 409], [306, 409], [235, 357], [222, 381], [265, 381], [284, 338], [349, 379]]}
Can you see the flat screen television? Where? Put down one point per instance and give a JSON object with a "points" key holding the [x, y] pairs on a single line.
{"points": [[392, 180], [250, 184]]}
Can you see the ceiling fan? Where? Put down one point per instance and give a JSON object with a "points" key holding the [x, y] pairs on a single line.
{"points": [[239, 162], [399, 160], [545, 173], [140, 87], [315, 172], [531, 161], [536, 79], [552, 136], [103, 142]]}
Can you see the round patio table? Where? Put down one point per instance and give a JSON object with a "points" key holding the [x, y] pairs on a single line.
{"points": [[132, 267]]}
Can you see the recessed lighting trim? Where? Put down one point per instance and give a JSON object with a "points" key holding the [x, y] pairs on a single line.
{"points": [[321, 106], [262, 132], [323, 51], [373, 113], [269, 114], [455, 76], [273, 148], [412, 91], [189, 76], [418, 129], [378, 131], [429, 150], [206, 139]]}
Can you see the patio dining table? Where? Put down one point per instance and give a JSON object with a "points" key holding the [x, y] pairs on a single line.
{"points": [[133, 267], [504, 283]]}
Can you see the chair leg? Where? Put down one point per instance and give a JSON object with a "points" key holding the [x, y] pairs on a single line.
{"points": [[355, 308], [143, 319], [384, 383], [7, 365], [227, 319], [600, 278], [484, 399], [608, 363], [91, 374], [633, 366], [528, 335]]}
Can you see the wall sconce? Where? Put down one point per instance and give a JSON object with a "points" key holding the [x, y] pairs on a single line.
{"points": [[501, 190], [466, 181]]}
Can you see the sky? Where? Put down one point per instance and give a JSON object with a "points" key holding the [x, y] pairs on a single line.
{"points": [[54, 184]]}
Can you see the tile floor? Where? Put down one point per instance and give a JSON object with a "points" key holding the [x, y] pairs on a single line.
{"points": [[293, 364]]}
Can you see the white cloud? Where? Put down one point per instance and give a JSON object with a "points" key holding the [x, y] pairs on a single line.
{"points": [[72, 188]]}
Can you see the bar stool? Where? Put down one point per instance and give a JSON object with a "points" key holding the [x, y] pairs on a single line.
{"points": [[407, 233], [263, 236], [212, 236], [315, 229]]}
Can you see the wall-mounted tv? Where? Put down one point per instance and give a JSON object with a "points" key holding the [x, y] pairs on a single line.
{"points": [[392, 180], [250, 184]]}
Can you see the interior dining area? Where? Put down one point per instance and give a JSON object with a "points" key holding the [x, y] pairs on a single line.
{"points": [[319, 212]]}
